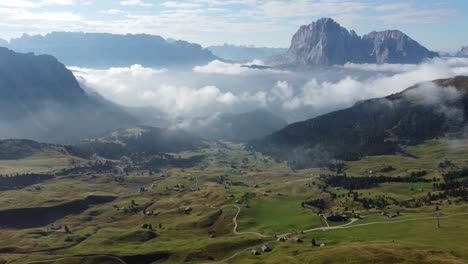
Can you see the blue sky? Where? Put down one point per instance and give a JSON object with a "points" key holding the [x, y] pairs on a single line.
{"points": [[437, 24]]}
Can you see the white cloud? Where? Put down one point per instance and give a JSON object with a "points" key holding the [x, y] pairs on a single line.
{"points": [[413, 16], [139, 86], [24, 15], [174, 4], [17, 3], [295, 95], [57, 2], [111, 11], [304, 8], [28, 4], [135, 3], [350, 89], [380, 67], [224, 68]]}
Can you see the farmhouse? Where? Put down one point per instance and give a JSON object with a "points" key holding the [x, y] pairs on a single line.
{"points": [[389, 215], [265, 248], [298, 240], [334, 216]]}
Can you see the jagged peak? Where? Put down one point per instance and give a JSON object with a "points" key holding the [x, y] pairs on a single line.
{"points": [[325, 20], [391, 33]]}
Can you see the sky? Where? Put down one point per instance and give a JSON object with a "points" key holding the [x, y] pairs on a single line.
{"points": [[439, 25]]}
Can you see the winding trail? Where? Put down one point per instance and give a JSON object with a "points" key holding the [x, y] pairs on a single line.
{"points": [[344, 226], [234, 220]]}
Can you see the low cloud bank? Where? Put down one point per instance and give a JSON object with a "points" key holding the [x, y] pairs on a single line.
{"points": [[352, 88], [224, 68], [231, 87]]}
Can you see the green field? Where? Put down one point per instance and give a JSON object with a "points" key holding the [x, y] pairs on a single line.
{"points": [[231, 181]]}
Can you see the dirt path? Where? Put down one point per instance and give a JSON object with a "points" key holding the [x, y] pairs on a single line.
{"points": [[345, 226], [234, 220]]}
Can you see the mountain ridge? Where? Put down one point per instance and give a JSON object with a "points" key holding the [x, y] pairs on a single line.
{"points": [[41, 99], [243, 53], [101, 50], [374, 126]]}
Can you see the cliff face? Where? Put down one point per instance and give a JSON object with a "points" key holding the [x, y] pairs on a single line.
{"points": [[393, 46], [326, 42]]}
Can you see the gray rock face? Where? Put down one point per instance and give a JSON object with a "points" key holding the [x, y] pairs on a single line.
{"points": [[393, 46], [463, 52], [326, 42]]}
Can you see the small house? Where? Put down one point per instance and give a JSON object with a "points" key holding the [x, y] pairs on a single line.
{"points": [[188, 210], [265, 248], [334, 216], [55, 227], [255, 252], [392, 215], [298, 240], [389, 215]]}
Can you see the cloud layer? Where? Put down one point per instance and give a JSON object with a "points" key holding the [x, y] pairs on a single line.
{"points": [[233, 88]]}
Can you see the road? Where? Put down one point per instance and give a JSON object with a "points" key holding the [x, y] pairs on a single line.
{"points": [[287, 235]]}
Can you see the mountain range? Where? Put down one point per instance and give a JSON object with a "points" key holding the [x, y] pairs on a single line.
{"points": [[243, 53], [376, 126], [41, 99], [103, 50], [325, 42]]}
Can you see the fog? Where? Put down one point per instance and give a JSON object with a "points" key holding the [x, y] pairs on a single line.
{"points": [[218, 87]]}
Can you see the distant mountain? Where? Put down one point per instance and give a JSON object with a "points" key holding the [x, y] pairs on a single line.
{"points": [[238, 127], [107, 50], [242, 53], [463, 52], [12, 149], [325, 42], [375, 126], [142, 139], [3, 43], [41, 99]]}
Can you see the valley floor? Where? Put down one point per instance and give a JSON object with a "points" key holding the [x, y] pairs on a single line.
{"points": [[232, 202]]}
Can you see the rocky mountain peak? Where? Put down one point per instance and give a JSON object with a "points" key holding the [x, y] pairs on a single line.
{"points": [[326, 42]]}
